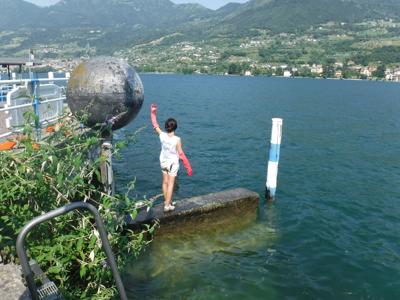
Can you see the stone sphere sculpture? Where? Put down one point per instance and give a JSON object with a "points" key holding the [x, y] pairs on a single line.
{"points": [[108, 90]]}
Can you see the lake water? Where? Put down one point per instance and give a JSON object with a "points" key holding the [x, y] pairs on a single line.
{"points": [[333, 231]]}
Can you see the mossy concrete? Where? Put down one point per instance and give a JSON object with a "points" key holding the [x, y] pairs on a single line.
{"points": [[237, 203]]}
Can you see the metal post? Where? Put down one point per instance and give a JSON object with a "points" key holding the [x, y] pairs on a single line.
{"points": [[107, 177], [50, 75], [36, 104], [14, 77], [29, 276], [274, 152], [29, 64]]}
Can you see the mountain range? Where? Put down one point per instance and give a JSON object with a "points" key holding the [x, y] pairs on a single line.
{"points": [[113, 24]]}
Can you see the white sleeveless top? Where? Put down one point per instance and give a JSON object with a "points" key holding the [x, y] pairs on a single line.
{"points": [[168, 148]]}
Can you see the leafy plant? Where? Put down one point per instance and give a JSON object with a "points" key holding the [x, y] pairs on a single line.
{"points": [[41, 176]]}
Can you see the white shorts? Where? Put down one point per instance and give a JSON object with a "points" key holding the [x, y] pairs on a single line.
{"points": [[170, 167]]}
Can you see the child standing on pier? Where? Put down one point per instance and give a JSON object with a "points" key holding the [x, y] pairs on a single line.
{"points": [[171, 151]]}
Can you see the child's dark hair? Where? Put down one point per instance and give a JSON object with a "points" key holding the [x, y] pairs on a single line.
{"points": [[171, 125]]}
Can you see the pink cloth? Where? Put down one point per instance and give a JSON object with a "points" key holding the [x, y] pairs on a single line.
{"points": [[186, 163]]}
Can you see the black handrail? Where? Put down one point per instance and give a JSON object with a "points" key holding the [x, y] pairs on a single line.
{"points": [[29, 276]]}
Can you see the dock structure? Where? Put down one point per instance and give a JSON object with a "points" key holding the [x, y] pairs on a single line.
{"points": [[7, 62], [237, 202]]}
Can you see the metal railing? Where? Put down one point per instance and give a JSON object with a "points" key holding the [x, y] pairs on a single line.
{"points": [[24, 81], [21, 251], [4, 91], [45, 101]]}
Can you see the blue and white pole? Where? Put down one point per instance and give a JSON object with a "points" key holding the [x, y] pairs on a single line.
{"points": [[274, 152], [36, 104]]}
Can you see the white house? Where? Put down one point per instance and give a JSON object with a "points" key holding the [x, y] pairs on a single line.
{"points": [[287, 74]]}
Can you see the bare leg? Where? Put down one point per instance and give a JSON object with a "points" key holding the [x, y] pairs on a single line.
{"points": [[170, 189], [165, 187]]}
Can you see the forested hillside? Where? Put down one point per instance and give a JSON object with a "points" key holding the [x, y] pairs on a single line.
{"points": [[163, 36]]}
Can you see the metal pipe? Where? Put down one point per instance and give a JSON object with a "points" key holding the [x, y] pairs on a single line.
{"points": [[36, 104], [53, 100], [30, 104], [15, 81], [8, 134], [53, 214], [16, 107]]}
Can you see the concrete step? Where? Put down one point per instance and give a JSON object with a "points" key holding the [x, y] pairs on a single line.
{"points": [[235, 202]]}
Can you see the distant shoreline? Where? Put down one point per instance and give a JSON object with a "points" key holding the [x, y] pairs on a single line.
{"points": [[246, 76], [237, 75]]}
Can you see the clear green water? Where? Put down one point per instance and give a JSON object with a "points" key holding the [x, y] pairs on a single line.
{"points": [[334, 230]]}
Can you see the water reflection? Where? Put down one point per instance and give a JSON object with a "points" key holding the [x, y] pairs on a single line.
{"points": [[205, 259]]}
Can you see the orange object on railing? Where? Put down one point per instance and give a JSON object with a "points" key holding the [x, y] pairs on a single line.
{"points": [[51, 128], [8, 145]]}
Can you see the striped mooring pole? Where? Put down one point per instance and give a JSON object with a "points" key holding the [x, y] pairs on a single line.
{"points": [[274, 152]]}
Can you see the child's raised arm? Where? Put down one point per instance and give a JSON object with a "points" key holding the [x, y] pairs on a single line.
{"points": [[184, 159], [153, 117]]}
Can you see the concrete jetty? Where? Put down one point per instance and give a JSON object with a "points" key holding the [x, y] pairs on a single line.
{"points": [[228, 209], [238, 202]]}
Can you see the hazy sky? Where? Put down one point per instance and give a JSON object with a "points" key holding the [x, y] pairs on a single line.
{"points": [[208, 3]]}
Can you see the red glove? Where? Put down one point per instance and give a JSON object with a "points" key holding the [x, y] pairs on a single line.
{"points": [[153, 111], [186, 163]]}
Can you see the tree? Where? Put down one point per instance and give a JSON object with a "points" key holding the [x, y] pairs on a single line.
{"points": [[380, 72], [279, 72], [329, 72], [234, 69]]}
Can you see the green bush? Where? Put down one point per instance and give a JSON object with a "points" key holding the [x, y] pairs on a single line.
{"points": [[39, 177]]}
